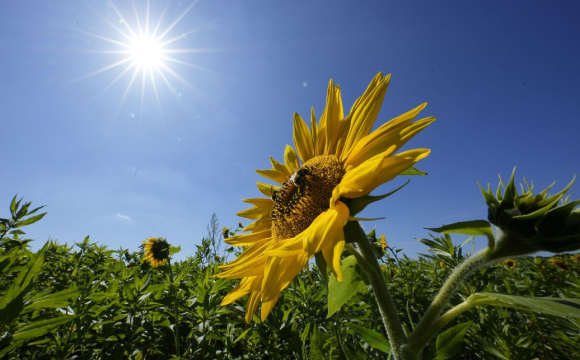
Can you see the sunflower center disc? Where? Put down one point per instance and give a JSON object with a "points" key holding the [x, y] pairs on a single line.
{"points": [[304, 195]]}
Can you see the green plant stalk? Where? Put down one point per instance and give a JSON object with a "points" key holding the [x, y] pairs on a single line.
{"points": [[427, 328], [175, 310], [367, 260]]}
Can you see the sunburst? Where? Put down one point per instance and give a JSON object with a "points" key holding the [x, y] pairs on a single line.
{"points": [[146, 52]]}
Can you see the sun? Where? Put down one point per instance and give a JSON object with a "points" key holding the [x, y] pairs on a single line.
{"points": [[145, 51]]}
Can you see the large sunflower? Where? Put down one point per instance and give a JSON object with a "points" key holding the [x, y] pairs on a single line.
{"points": [[336, 161]]}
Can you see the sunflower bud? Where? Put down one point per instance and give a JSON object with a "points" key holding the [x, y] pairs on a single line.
{"points": [[530, 223]]}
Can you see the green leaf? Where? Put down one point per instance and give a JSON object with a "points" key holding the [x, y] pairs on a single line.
{"points": [[30, 220], [316, 346], [357, 205], [413, 171], [449, 342], [474, 227], [56, 300], [564, 307], [373, 338], [39, 328], [242, 335], [339, 292], [174, 249], [14, 206]]}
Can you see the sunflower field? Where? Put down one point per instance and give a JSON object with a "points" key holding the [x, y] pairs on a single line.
{"points": [[86, 301]]}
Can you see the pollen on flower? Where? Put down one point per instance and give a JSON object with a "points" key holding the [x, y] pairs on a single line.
{"points": [[304, 195]]}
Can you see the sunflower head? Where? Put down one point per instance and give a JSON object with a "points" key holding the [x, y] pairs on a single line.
{"points": [[335, 163], [509, 263], [156, 251], [532, 222], [226, 232], [560, 264]]}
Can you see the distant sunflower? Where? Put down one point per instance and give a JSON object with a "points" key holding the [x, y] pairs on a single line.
{"points": [[384, 243], [156, 251], [337, 160], [511, 264]]}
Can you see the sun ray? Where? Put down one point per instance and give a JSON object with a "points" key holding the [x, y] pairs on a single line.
{"points": [[121, 17], [101, 70], [154, 33], [137, 19], [177, 20], [112, 82], [168, 58]]}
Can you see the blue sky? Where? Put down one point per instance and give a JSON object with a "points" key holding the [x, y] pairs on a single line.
{"points": [[123, 163]]}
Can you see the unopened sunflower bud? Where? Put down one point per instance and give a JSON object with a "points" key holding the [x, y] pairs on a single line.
{"points": [[530, 223]]}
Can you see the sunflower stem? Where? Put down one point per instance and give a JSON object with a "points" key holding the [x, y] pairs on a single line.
{"points": [[175, 310], [431, 322], [367, 260]]}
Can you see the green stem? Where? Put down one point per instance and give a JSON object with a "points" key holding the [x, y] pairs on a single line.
{"points": [[175, 310], [367, 260], [427, 328]]}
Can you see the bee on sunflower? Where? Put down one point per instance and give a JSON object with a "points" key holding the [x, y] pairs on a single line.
{"points": [[156, 251], [321, 185]]}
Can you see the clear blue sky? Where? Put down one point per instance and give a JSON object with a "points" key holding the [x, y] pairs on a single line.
{"points": [[501, 77]]}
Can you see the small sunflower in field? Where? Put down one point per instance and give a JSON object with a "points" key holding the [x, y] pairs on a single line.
{"points": [[384, 243], [156, 251], [338, 161], [226, 232], [560, 264], [509, 263], [575, 258]]}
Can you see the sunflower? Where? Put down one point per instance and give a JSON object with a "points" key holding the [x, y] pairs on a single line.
{"points": [[337, 161], [156, 251], [384, 243], [511, 264]]}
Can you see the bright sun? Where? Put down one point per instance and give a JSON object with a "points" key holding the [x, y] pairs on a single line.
{"points": [[145, 52]]}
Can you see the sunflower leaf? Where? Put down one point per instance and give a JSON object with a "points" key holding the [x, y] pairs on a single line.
{"points": [[449, 342], [413, 171], [564, 307], [374, 339], [357, 205], [339, 292], [474, 227]]}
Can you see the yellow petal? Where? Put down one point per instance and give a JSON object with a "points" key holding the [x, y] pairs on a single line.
{"points": [[395, 132], [248, 239], [266, 189], [376, 171], [326, 229], [278, 272], [261, 224], [331, 116], [267, 307], [291, 159], [281, 168], [302, 139], [239, 291], [332, 256], [287, 248], [364, 112], [273, 175], [262, 207], [254, 299], [314, 128]]}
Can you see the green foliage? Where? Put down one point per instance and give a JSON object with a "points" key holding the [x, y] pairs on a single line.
{"points": [[87, 301]]}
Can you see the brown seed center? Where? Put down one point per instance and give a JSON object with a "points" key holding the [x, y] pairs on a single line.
{"points": [[304, 195]]}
